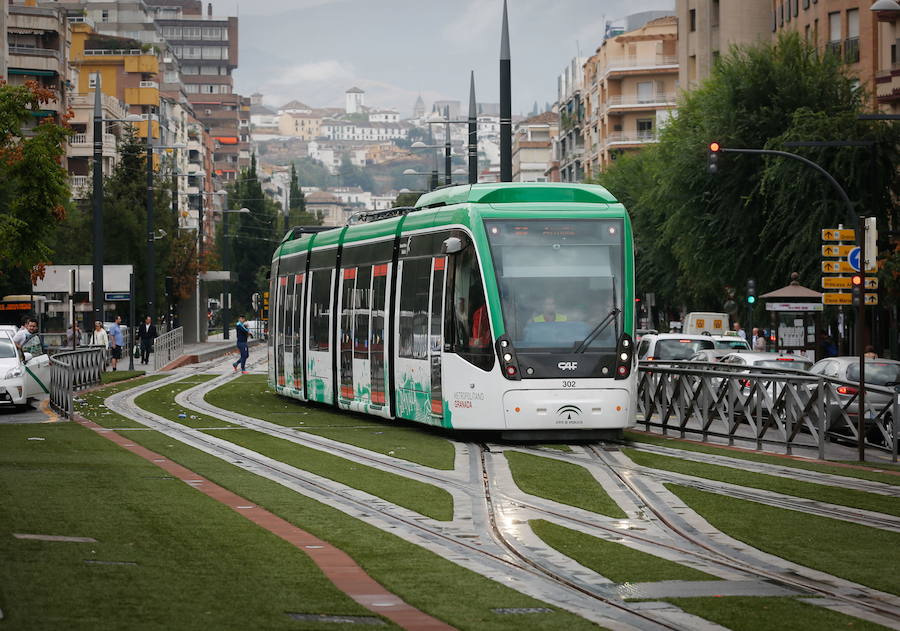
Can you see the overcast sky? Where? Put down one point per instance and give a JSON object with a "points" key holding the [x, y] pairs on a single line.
{"points": [[314, 50]]}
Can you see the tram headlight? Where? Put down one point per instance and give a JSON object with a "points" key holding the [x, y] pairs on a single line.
{"points": [[507, 357], [511, 370], [624, 357], [509, 364]]}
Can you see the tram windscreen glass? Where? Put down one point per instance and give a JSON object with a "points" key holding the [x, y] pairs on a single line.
{"points": [[558, 281]]}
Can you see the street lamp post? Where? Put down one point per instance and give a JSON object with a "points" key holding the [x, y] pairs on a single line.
{"points": [[98, 204]]}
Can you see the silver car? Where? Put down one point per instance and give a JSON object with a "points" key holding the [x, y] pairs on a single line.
{"points": [[879, 372]]}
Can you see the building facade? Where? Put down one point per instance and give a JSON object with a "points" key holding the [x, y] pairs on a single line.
{"points": [[631, 85], [570, 142], [532, 147], [887, 43]]}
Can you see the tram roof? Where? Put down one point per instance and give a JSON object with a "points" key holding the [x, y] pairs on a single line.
{"points": [[517, 193]]}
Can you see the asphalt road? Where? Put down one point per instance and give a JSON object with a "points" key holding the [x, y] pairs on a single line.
{"points": [[29, 414]]}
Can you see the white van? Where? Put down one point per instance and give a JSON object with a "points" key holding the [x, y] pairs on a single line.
{"points": [[699, 322]]}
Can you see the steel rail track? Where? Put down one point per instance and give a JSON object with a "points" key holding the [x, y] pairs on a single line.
{"points": [[891, 612], [618, 615]]}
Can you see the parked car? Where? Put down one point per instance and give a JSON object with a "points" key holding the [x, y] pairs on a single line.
{"points": [[879, 372], [768, 360], [22, 375], [672, 346], [710, 355], [732, 342], [640, 333]]}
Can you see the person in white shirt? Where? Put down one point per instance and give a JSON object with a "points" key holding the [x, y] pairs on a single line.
{"points": [[99, 336]]}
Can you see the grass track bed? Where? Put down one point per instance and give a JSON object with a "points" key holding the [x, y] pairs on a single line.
{"points": [[745, 613], [251, 396], [615, 561], [92, 404], [561, 482], [848, 472], [797, 488], [851, 551], [422, 498], [422, 578], [188, 573], [161, 401]]}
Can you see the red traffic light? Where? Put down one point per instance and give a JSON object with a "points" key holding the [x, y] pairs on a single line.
{"points": [[856, 280], [714, 147]]}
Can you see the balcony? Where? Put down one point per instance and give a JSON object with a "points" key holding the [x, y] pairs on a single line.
{"points": [[80, 185], [625, 101], [630, 138], [851, 50], [143, 95], [39, 59], [631, 64]]}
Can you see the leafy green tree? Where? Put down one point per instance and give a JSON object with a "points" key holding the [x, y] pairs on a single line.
{"points": [[758, 217], [251, 237], [125, 224], [33, 185], [406, 199], [297, 215]]}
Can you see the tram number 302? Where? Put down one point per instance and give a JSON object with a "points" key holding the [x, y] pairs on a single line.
{"points": [[569, 384]]}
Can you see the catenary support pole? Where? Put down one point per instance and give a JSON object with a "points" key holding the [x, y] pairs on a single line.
{"points": [[473, 133], [505, 103], [98, 204]]}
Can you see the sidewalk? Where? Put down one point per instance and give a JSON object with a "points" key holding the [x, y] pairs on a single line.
{"points": [[214, 348]]}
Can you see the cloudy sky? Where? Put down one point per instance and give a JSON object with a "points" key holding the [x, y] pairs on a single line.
{"points": [[314, 50]]}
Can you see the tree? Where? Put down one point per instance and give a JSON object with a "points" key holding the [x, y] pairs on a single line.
{"points": [[125, 223], [758, 217], [406, 199], [33, 184], [251, 237], [297, 215]]}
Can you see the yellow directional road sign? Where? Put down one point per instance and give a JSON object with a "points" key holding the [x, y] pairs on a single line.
{"points": [[836, 250], [871, 299], [837, 234], [837, 299], [837, 267], [836, 282]]}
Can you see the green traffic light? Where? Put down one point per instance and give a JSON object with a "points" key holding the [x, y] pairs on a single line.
{"points": [[751, 299]]}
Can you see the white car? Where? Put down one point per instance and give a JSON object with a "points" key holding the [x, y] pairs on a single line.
{"points": [[733, 342], [672, 346], [22, 376]]}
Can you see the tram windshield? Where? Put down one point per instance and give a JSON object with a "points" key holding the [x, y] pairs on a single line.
{"points": [[559, 281]]}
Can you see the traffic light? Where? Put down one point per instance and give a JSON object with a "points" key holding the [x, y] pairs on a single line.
{"points": [[751, 291], [712, 164], [856, 286]]}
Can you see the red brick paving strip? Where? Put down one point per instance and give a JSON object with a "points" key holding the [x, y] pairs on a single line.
{"points": [[334, 563]]}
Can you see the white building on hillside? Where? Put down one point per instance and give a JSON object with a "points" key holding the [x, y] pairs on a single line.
{"points": [[354, 100]]}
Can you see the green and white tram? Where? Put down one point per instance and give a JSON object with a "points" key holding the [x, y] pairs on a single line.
{"points": [[505, 307]]}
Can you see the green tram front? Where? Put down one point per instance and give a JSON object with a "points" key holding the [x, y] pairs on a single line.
{"points": [[489, 307]]}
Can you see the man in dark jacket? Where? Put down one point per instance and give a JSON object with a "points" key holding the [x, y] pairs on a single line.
{"points": [[146, 334], [242, 332]]}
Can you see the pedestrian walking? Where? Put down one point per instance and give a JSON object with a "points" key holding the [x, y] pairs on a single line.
{"points": [[99, 336], [116, 342], [73, 335], [242, 332], [146, 334]]}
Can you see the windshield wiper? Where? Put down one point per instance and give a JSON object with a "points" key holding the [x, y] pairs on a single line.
{"points": [[605, 322]]}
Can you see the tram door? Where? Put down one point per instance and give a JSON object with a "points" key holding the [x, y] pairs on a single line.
{"points": [[281, 301], [362, 360], [297, 331], [420, 339], [319, 343]]}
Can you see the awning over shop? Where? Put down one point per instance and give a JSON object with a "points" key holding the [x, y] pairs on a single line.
{"points": [[36, 73]]}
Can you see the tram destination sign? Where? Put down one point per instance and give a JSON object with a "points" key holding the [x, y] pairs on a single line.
{"points": [[838, 234]]}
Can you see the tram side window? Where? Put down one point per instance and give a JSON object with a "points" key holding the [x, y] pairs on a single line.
{"points": [[361, 305], [471, 332], [297, 308], [288, 320], [320, 310], [414, 289]]}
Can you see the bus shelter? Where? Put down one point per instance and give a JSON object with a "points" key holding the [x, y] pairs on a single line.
{"points": [[795, 316]]}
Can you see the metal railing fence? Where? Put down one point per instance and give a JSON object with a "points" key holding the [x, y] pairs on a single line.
{"points": [[167, 347], [71, 371], [760, 405]]}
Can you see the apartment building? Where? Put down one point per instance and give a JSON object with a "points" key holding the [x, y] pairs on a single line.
{"points": [[336, 129], [36, 49], [630, 90], [80, 152], [127, 72], [569, 144], [887, 41], [532, 147], [207, 47], [4, 45], [299, 120]]}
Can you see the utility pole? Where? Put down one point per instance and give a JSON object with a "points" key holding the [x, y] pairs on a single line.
{"points": [[505, 103], [98, 205], [473, 133], [151, 252]]}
